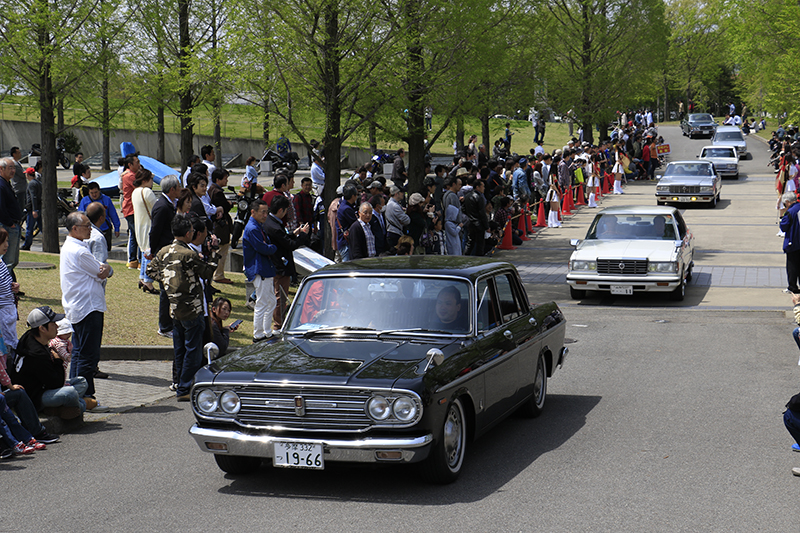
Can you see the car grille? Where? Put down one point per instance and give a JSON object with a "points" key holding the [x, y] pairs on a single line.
{"points": [[622, 266], [684, 189], [327, 409]]}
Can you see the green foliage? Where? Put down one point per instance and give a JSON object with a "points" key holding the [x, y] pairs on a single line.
{"points": [[72, 145]]}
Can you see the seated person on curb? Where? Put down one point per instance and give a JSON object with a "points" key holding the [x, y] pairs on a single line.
{"points": [[14, 436], [41, 372], [220, 312]]}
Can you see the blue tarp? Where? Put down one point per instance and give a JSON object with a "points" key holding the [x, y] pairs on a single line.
{"points": [[109, 183]]}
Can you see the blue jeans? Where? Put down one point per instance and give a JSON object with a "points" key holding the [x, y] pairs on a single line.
{"points": [[796, 335], [143, 271], [70, 395], [86, 348], [21, 404], [30, 225], [11, 257], [133, 247], [187, 340], [10, 421]]}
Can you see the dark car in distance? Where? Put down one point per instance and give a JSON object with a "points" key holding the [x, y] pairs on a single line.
{"points": [[383, 360], [697, 124]]}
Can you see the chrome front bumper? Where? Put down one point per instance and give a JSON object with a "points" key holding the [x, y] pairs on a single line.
{"points": [[364, 450], [650, 284]]}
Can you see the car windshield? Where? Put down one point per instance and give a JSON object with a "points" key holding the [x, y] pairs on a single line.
{"points": [[437, 305], [718, 152], [701, 117], [638, 227], [728, 136], [688, 169]]}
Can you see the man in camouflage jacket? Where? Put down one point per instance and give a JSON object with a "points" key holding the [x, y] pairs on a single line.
{"points": [[180, 269]]}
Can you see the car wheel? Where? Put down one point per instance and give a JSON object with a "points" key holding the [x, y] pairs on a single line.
{"points": [[713, 202], [444, 463], [534, 407], [689, 274], [576, 294], [236, 464], [736, 176], [680, 291]]}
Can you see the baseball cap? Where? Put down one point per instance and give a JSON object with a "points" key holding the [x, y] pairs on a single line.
{"points": [[394, 190], [376, 185], [42, 316], [30, 170], [415, 199]]}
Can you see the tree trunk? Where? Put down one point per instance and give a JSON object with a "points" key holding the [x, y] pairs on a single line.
{"points": [[372, 133], [265, 124], [184, 90], [460, 133], [486, 139], [332, 141], [217, 133], [161, 152], [417, 92], [49, 162], [587, 132]]}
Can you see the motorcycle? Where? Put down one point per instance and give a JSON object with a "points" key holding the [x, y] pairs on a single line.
{"points": [[36, 151], [245, 199], [286, 163], [65, 205]]}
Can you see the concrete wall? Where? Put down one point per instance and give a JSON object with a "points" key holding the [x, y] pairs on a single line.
{"points": [[24, 134]]}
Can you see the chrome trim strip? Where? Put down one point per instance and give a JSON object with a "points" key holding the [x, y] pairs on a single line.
{"points": [[357, 451]]}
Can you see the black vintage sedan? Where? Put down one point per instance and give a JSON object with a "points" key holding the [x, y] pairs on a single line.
{"points": [[696, 124], [383, 360]]}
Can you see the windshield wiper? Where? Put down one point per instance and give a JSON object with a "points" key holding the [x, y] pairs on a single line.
{"points": [[332, 329], [414, 330]]}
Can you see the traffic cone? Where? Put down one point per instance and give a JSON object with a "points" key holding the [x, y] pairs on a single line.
{"points": [[521, 226], [541, 221], [507, 241], [528, 223], [581, 199], [606, 185], [565, 204]]}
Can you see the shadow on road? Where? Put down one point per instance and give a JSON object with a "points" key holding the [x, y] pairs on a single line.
{"points": [[491, 462]]}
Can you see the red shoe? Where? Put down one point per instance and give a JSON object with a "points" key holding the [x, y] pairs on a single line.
{"points": [[23, 449], [36, 445]]}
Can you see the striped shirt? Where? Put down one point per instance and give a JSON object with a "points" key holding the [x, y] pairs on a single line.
{"points": [[370, 238], [6, 296]]}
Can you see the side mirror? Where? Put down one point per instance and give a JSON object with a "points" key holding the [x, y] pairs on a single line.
{"points": [[212, 351], [574, 242], [231, 188]]}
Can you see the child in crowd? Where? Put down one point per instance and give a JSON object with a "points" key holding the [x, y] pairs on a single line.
{"points": [[63, 345]]}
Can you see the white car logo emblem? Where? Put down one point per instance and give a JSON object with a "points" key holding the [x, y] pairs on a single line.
{"points": [[622, 266]]}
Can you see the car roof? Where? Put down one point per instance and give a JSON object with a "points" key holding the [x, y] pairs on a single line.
{"points": [[700, 115], [638, 210], [717, 147], [722, 129], [424, 265], [692, 161]]}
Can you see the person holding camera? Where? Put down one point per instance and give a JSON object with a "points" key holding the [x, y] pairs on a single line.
{"points": [[180, 269]]}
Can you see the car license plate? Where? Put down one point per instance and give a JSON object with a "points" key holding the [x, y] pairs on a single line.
{"points": [[684, 199], [621, 289], [298, 455]]}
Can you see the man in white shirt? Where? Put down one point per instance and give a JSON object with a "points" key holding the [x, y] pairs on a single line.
{"points": [[318, 175], [83, 298], [207, 153]]}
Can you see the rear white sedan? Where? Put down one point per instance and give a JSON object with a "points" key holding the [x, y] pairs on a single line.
{"points": [[725, 159], [633, 249]]}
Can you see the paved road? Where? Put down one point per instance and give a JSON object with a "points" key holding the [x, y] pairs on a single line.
{"points": [[666, 417]]}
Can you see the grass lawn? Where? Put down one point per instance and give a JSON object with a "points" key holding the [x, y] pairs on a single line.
{"points": [[132, 315]]}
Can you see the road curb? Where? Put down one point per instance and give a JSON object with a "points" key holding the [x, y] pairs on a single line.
{"points": [[137, 353]]}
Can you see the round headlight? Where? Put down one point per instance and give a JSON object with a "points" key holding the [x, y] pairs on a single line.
{"points": [[207, 401], [405, 409], [229, 402], [378, 408], [242, 205]]}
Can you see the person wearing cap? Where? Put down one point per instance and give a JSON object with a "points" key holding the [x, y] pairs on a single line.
{"points": [[396, 217], [399, 174], [41, 372], [373, 188], [522, 191], [83, 297], [418, 219]]}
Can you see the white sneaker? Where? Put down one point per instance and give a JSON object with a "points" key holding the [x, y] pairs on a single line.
{"points": [[796, 471], [101, 409], [780, 234]]}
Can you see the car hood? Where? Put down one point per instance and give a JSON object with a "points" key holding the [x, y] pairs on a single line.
{"points": [[686, 180], [701, 123], [590, 250], [349, 361], [721, 160]]}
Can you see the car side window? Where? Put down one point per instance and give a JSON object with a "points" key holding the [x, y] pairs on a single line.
{"points": [[487, 311], [509, 304], [681, 225]]}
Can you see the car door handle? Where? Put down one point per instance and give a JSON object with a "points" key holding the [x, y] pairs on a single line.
{"points": [[508, 335], [532, 321]]}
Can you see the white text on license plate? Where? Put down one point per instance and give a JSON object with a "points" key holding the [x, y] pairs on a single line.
{"points": [[621, 289], [684, 199], [298, 455]]}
